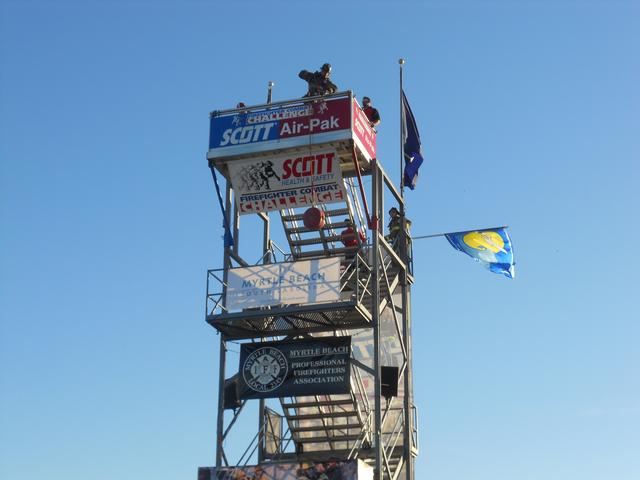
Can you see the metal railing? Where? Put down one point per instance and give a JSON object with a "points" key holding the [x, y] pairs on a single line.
{"points": [[277, 105], [355, 284], [414, 430]]}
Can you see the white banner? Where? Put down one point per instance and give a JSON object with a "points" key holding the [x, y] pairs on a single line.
{"points": [[287, 181], [306, 281]]}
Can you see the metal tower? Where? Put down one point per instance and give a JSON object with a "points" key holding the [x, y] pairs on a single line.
{"points": [[369, 429]]}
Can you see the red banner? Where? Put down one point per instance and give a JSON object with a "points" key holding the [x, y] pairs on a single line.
{"points": [[327, 116], [364, 135]]}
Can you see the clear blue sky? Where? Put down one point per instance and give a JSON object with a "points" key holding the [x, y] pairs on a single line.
{"points": [[529, 114]]}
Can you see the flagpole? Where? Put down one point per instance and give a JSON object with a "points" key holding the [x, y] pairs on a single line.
{"points": [[401, 62], [407, 376], [455, 233]]}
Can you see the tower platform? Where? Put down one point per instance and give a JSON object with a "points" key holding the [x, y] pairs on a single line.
{"points": [[297, 127], [353, 307]]}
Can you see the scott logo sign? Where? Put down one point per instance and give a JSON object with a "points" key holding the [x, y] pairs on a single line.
{"points": [[248, 134], [308, 166]]}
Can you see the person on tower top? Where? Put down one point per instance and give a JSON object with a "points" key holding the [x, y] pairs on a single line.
{"points": [[372, 113], [318, 81]]}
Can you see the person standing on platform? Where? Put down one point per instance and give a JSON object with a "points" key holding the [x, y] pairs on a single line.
{"points": [[372, 113], [318, 81], [395, 226], [349, 237]]}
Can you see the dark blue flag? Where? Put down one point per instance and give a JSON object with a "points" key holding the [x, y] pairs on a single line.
{"points": [[412, 147]]}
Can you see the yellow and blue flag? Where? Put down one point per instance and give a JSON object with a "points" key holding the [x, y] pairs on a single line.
{"points": [[491, 247]]}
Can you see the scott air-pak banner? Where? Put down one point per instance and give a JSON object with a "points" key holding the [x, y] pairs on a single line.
{"points": [[278, 127], [295, 368]]}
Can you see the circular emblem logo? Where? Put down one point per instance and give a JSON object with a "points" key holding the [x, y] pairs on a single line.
{"points": [[484, 241], [265, 369]]}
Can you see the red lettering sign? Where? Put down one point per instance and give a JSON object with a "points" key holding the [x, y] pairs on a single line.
{"points": [[308, 166], [363, 134], [328, 116]]}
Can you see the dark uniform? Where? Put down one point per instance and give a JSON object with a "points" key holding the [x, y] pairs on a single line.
{"points": [[318, 81], [372, 113], [395, 225]]}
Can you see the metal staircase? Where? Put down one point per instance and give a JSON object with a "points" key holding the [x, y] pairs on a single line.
{"points": [[344, 423], [326, 241], [324, 422]]}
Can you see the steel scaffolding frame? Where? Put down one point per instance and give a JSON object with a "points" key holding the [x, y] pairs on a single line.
{"points": [[386, 435]]}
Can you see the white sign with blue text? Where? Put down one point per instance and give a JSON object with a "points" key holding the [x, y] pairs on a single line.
{"points": [[306, 281]]}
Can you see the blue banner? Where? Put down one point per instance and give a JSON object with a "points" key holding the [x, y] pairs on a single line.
{"points": [[236, 130], [490, 247]]}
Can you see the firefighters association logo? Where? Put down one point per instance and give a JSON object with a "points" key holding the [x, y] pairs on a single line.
{"points": [[265, 369]]}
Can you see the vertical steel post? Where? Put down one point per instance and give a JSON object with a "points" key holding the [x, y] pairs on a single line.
{"points": [[406, 308], [270, 90], [266, 258], [223, 341], [408, 382], [408, 372], [236, 227], [220, 424], [401, 62], [266, 238], [375, 206]]}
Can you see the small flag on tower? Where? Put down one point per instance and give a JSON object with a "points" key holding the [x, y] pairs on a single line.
{"points": [[412, 146], [490, 247]]}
